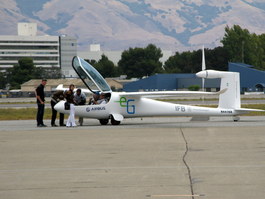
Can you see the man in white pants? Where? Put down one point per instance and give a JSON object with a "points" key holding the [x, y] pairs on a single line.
{"points": [[69, 96], [71, 118]]}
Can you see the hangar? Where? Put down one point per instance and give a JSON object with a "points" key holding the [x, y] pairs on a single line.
{"points": [[251, 80], [175, 81]]}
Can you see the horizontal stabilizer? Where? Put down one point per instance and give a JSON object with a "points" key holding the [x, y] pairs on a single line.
{"points": [[246, 110]]}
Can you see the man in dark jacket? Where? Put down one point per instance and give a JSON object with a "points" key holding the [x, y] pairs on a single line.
{"points": [[55, 98], [40, 95]]}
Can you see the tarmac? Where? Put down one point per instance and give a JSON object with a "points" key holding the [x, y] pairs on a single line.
{"points": [[167, 157]]}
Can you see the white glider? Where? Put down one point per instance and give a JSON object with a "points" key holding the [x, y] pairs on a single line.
{"points": [[138, 104]]}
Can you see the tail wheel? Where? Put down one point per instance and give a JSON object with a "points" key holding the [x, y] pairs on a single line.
{"points": [[114, 122], [236, 118], [104, 121]]}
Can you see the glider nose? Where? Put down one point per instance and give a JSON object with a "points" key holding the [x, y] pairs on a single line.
{"points": [[59, 106]]}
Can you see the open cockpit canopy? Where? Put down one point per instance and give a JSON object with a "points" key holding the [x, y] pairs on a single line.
{"points": [[90, 76]]}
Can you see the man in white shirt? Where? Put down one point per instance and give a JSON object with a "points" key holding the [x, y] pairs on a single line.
{"points": [[80, 99], [102, 99]]}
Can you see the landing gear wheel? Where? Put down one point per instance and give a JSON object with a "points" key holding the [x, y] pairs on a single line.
{"points": [[104, 121], [236, 118], [114, 122]]}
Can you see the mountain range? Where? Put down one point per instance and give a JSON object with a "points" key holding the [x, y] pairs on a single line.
{"points": [[175, 25]]}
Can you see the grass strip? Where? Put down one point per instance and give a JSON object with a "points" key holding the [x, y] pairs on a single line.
{"points": [[22, 114]]}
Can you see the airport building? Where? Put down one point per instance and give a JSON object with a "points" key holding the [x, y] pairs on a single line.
{"points": [[251, 80], [68, 49], [171, 82], [46, 51]]}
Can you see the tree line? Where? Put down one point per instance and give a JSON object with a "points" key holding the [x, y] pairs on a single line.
{"points": [[239, 45], [24, 71]]}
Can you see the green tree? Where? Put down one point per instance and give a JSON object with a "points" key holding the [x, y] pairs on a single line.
{"points": [[244, 47], [25, 70], [139, 62], [21, 72], [47, 73], [191, 62], [238, 43], [174, 64], [91, 61], [262, 46], [194, 88], [106, 67], [3, 80], [258, 55], [185, 62], [216, 59]]}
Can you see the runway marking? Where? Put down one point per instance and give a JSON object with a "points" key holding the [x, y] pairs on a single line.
{"points": [[178, 195]]}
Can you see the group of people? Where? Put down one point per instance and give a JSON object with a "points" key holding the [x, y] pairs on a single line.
{"points": [[72, 98]]}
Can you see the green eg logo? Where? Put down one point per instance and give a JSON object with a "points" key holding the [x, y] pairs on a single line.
{"points": [[127, 104]]}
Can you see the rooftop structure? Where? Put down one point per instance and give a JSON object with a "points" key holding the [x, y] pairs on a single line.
{"points": [[46, 51]]}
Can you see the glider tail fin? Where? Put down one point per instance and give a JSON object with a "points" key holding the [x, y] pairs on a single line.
{"points": [[230, 99]]}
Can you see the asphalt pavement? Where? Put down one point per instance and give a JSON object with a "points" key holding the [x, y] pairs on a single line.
{"points": [[167, 157]]}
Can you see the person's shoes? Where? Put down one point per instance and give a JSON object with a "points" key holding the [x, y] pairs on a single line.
{"points": [[71, 126], [62, 124], [41, 125], [54, 125]]}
